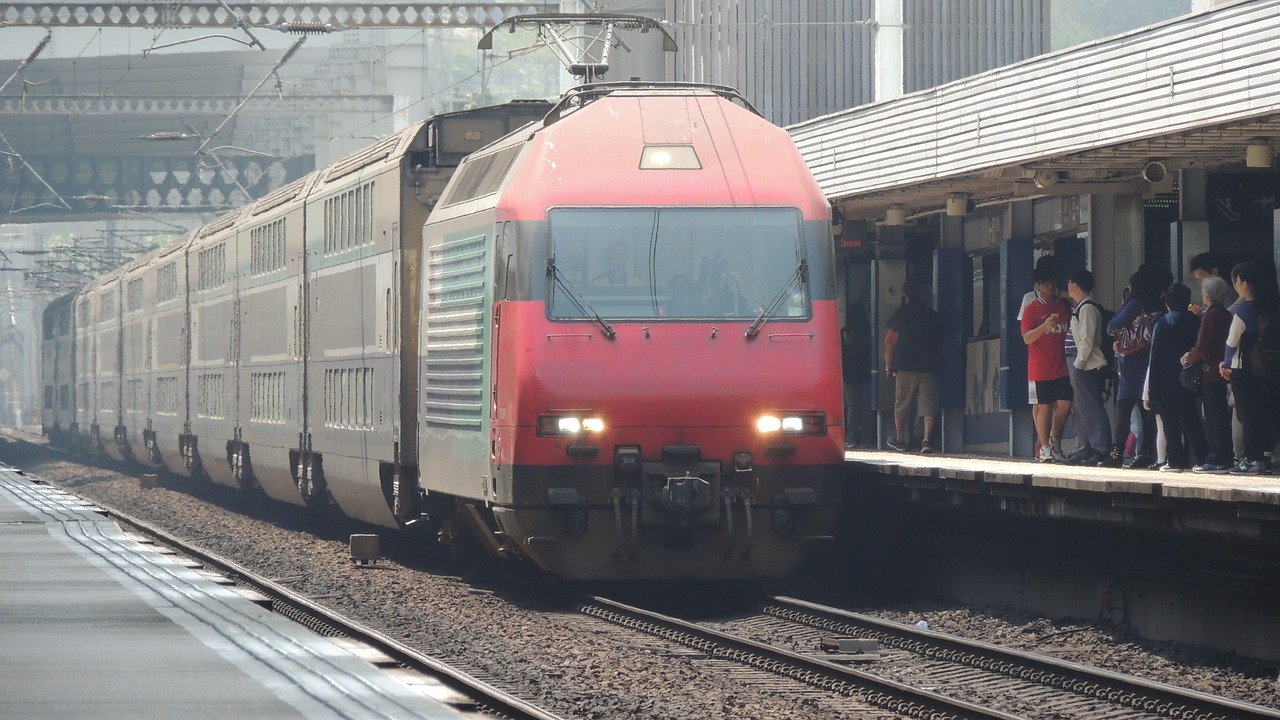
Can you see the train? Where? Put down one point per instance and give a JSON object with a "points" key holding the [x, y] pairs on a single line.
{"points": [[599, 334]]}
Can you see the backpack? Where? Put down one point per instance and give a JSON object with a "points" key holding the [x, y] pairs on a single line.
{"points": [[1136, 336], [1104, 341], [1263, 357]]}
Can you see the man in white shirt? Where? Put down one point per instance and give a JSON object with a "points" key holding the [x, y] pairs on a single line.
{"points": [[1087, 371]]}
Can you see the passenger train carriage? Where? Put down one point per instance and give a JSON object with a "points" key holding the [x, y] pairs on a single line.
{"points": [[609, 344]]}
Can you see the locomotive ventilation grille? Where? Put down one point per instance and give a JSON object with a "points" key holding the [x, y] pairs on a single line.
{"points": [[453, 396]]}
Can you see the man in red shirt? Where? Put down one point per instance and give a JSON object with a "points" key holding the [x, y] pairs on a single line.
{"points": [[1044, 329]]}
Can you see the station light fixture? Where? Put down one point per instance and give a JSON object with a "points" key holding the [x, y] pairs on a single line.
{"points": [[957, 205], [896, 214], [1045, 179]]}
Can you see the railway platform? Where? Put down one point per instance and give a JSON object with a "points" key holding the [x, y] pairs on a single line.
{"points": [[1231, 506], [94, 624]]}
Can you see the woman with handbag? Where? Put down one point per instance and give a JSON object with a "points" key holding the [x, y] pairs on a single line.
{"points": [[1131, 326], [1174, 335], [1215, 321]]}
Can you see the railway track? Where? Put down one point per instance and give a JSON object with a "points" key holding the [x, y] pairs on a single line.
{"points": [[923, 674], [462, 690]]}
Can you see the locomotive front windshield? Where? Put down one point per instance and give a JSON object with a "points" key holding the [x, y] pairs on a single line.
{"points": [[676, 263]]}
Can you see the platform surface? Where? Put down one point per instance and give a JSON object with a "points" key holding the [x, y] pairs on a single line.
{"points": [[1261, 489], [94, 624]]}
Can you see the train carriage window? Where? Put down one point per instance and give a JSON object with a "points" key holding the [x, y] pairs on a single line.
{"points": [[676, 263]]}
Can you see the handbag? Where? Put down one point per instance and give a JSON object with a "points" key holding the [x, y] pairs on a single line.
{"points": [[1136, 336], [1190, 376]]}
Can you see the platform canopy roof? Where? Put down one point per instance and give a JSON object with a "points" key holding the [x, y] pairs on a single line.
{"points": [[1194, 92]]}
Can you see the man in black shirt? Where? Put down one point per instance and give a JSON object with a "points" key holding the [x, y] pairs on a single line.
{"points": [[912, 358]]}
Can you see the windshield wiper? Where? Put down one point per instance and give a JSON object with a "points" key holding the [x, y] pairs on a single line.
{"points": [[583, 306], [800, 272]]}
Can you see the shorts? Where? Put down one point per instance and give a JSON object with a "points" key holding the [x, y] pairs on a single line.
{"points": [[1047, 392], [918, 388]]}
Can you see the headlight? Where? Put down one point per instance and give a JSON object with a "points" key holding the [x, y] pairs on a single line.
{"points": [[793, 423], [768, 424], [550, 425]]}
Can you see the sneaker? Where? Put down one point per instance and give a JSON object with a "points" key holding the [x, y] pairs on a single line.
{"points": [[926, 448], [1249, 468], [1088, 459], [1171, 468], [1046, 454], [1114, 459], [1056, 453], [1141, 462], [896, 444], [1211, 469]]}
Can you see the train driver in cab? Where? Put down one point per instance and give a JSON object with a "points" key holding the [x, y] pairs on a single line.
{"points": [[617, 275]]}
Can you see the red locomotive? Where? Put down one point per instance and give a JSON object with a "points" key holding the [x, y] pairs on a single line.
{"points": [[652, 357]]}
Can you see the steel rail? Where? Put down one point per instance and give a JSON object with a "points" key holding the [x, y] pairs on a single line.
{"points": [[1104, 685], [888, 694], [297, 606]]}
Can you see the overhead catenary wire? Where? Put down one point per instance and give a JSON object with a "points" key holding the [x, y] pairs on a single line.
{"points": [[283, 59]]}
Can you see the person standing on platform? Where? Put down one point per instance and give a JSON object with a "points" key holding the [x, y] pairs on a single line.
{"points": [[1087, 369], [1175, 334], [1143, 300], [1206, 265], [912, 359], [1046, 263], [1203, 266], [1044, 329], [1211, 341], [1258, 304]]}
